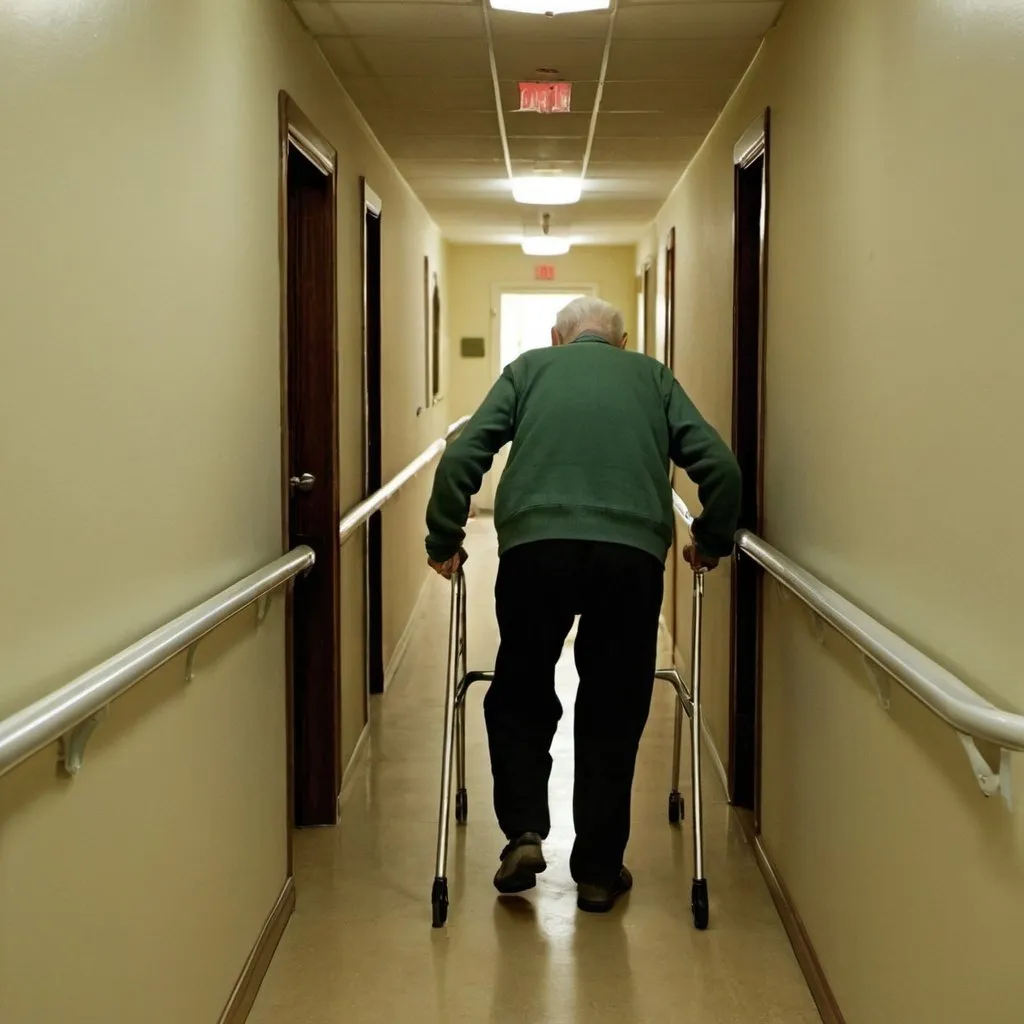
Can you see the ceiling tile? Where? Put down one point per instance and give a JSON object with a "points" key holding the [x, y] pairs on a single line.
{"points": [[533, 125], [697, 20], [406, 57], [519, 59], [640, 150], [680, 59], [543, 150], [411, 94], [446, 170], [397, 121], [433, 191], [624, 126], [376, 18], [524, 165], [700, 96], [678, 3], [446, 147]]}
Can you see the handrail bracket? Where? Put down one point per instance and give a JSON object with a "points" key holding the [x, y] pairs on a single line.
{"points": [[881, 680], [73, 743], [989, 780], [190, 662]]}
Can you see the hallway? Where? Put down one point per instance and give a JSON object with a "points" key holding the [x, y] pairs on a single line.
{"points": [[360, 948]]}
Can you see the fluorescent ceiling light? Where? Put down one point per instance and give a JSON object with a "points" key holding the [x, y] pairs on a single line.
{"points": [[545, 245], [546, 190], [550, 6]]}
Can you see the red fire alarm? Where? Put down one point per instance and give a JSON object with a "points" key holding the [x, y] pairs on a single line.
{"points": [[544, 272]]}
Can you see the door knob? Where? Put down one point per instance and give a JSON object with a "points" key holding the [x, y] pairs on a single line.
{"points": [[302, 483]]}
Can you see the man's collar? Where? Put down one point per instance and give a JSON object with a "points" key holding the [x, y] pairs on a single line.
{"points": [[586, 336]]}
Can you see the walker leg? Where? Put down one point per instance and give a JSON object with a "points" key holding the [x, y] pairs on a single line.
{"points": [[462, 665], [699, 891], [439, 892], [461, 797], [675, 800]]}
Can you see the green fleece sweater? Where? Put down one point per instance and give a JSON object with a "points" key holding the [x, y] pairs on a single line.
{"points": [[592, 429]]}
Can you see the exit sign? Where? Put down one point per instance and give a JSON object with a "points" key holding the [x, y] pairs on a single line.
{"points": [[544, 272], [545, 97]]}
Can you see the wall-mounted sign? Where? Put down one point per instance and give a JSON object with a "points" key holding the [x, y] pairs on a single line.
{"points": [[545, 97], [472, 348], [544, 272]]}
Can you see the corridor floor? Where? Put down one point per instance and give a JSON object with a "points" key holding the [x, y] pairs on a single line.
{"points": [[360, 947]]}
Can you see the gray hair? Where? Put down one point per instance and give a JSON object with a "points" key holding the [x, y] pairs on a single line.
{"points": [[590, 315]]}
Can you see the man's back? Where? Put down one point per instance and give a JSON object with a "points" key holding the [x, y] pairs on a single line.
{"points": [[593, 428], [590, 449]]}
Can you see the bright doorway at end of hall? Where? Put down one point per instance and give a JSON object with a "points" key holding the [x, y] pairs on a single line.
{"points": [[523, 321]]}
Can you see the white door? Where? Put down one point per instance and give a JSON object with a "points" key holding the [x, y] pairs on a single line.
{"points": [[525, 320]]}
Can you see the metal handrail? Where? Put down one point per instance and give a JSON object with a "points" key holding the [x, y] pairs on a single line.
{"points": [[60, 713], [69, 714], [359, 514], [943, 693]]}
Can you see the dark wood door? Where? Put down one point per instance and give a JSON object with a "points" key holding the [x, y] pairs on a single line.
{"points": [[373, 398], [750, 256], [312, 470]]}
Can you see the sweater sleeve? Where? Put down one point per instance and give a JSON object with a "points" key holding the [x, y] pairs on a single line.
{"points": [[463, 466], [698, 449]]}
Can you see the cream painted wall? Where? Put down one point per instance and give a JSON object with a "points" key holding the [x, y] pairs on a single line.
{"points": [[892, 417], [140, 443], [473, 270]]}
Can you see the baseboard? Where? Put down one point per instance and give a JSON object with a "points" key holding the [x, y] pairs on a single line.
{"points": [[709, 743], [351, 769], [813, 972], [248, 985], [402, 647]]}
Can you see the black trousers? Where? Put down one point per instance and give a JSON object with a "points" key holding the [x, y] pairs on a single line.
{"points": [[617, 592]]}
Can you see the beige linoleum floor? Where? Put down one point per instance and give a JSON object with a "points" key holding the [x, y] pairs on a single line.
{"points": [[360, 947]]}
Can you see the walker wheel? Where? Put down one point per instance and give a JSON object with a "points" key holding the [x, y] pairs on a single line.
{"points": [[439, 902], [699, 903], [675, 808]]}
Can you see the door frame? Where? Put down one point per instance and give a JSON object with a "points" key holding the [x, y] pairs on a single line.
{"points": [[669, 355], [295, 129], [428, 362], [436, 350], [754, 144], [485, 497], [670, 604], [371, 205], [647, 328]]}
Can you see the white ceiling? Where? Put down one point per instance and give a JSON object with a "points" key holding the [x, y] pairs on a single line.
{"points": [[419, 70]]}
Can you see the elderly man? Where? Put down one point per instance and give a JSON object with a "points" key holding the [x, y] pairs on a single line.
{"points": [[584, 520]]}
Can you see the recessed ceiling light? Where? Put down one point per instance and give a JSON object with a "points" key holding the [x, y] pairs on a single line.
{"points": [[550, 7], [545, 245], [547, 190]]}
